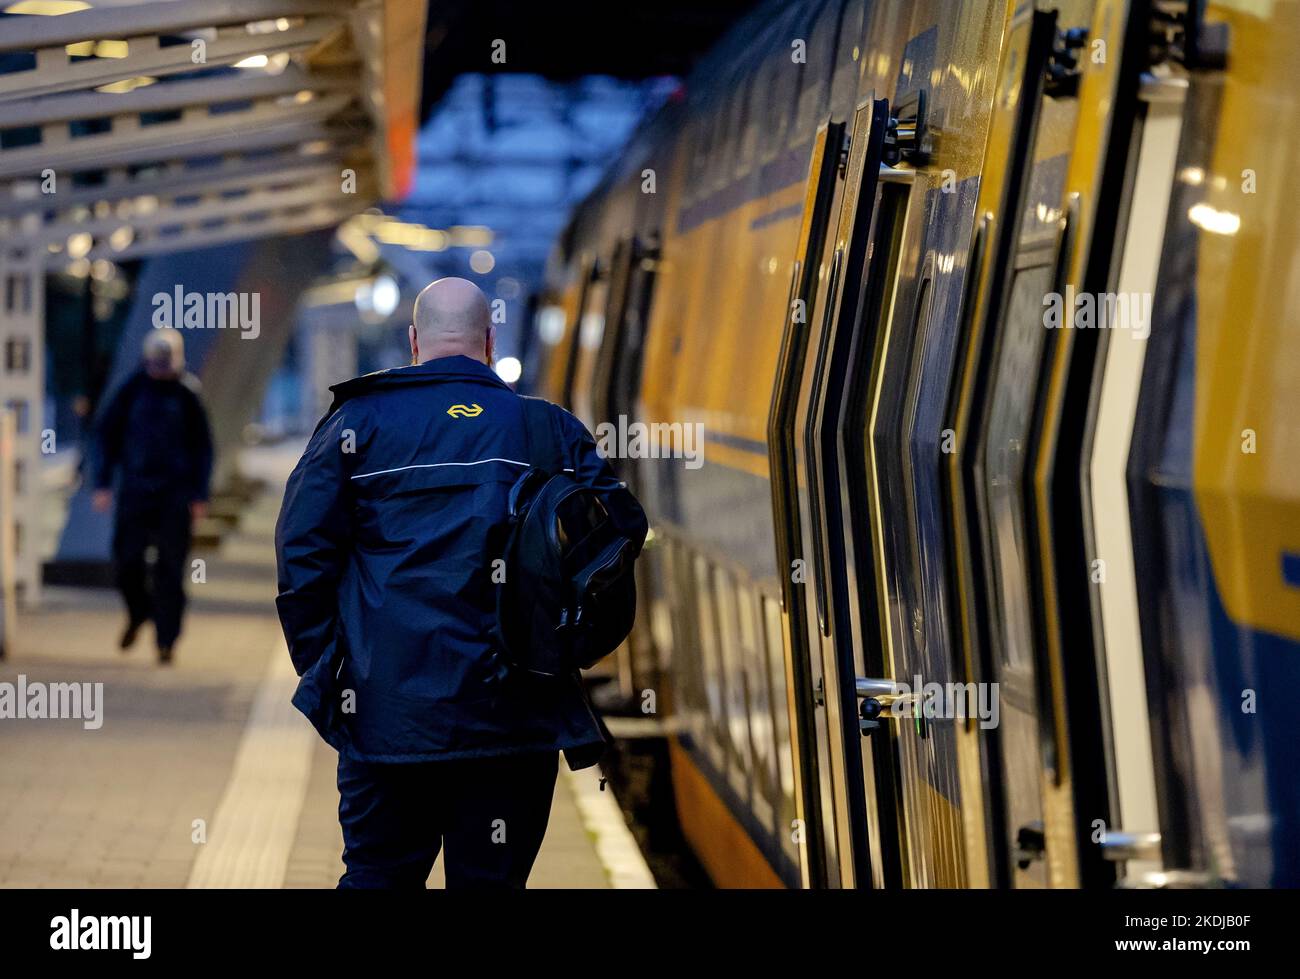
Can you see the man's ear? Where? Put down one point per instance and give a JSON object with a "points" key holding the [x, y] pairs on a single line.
{"points": [[490, 345], [415, 344]]}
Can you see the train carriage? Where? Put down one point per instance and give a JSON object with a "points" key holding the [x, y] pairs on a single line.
{"points": [[929, 278]]}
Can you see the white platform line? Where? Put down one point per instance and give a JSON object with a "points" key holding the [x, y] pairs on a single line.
{"points": [[616, 847], [250, 836]]}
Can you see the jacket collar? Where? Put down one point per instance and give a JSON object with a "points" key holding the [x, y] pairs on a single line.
{"points": [[458, 368]]}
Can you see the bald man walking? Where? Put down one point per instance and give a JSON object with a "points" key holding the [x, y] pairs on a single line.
{"points": [[386, 543]]}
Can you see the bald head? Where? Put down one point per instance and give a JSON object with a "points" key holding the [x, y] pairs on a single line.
{"points": [[451, 317]]}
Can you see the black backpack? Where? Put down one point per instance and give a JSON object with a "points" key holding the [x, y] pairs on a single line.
{"points": [[569, 595]]}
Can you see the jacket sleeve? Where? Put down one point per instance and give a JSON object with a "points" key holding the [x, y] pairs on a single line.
{"points": [[590, 467], [199, 438], [312, 543], [108, 441]]}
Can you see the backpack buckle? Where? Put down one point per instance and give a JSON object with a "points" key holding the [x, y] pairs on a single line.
{"points": [[569, 623]]}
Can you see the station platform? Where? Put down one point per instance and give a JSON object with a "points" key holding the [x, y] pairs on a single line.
{"points": [[202, 774]]}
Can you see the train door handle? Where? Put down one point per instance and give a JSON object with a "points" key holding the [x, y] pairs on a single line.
{"points": [[1119, 845], [876, 695]]}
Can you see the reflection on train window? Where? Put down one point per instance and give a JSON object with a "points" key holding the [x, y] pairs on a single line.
{"points": [[774, 632], [815, 76], [848, 58], [686, 630], [733, 680], [1010, 417], [711, 659]]}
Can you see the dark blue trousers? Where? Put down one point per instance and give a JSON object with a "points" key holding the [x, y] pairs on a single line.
{"points": [[161, 521], [487, 815]]}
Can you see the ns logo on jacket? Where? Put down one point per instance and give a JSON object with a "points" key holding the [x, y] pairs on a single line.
{"points": [[465, 411]]}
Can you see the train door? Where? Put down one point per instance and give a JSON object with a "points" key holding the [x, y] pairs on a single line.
{"points": [[1096, 749], [894, 319], [615, 385], [814, 802], [1129, 755], [992, 421], [570, 345], [590, 326], [853, 522], [813, 472], [1090, 417], [624, 370]]}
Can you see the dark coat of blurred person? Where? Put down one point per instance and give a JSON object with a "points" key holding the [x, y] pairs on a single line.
{"points": [[385, 545], [154, 449]]}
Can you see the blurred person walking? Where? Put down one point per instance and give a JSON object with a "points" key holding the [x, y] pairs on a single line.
{"points": [[154, 442], [386, 549]]}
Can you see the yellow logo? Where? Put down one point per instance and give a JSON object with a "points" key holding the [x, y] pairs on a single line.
{"points": [[465, 411]]}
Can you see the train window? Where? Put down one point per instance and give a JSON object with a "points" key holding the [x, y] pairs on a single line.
{"points": [[848, 58], [755, 102], [1010, 415], [733, 671], [818, 35], [686, 633], [735, 111], [782, 723], [701, 139], [760, 706], [711, 662], [688, 704], [783, 83], [889, 458]]}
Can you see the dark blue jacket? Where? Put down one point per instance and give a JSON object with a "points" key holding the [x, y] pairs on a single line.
{"points": [[154, 437], [385, 542]]}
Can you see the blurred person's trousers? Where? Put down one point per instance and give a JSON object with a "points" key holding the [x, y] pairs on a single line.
{"points": [[163, 523], [489, 815]]}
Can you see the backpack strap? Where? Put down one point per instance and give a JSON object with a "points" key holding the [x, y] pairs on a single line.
{"points": [[543, 440]]}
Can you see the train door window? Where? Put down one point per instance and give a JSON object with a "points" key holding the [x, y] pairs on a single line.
{"points": [[927, 611], [859, 518], [889, 462], [1017, 379]]}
